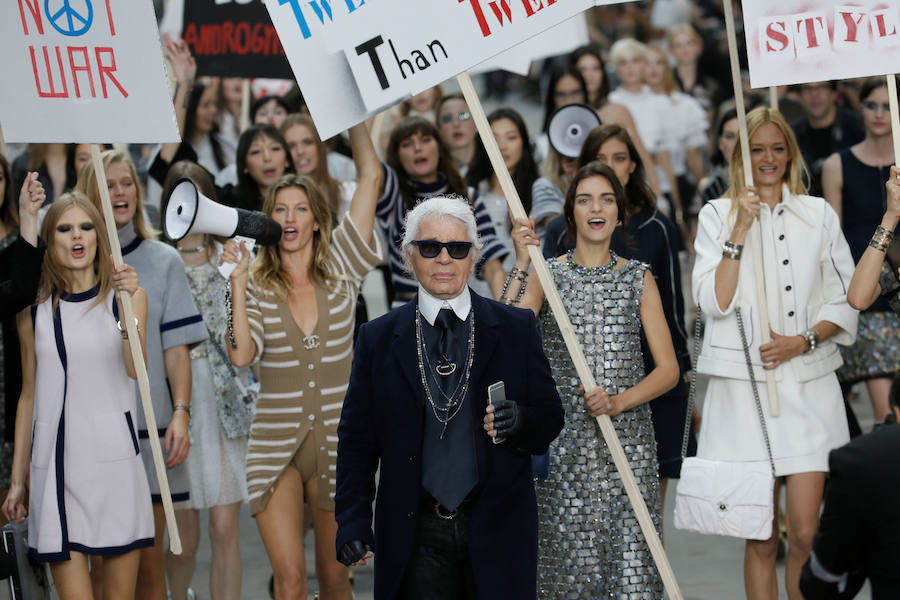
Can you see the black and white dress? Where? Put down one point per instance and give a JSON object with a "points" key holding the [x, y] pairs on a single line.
{"points": [[88, 489]]}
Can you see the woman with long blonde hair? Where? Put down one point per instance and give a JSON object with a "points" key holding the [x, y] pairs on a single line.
{"points": [[173, 325], [293, 311], [807, 267], [76, 471]]}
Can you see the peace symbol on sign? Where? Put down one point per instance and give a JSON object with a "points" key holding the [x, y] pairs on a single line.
{"points": [[66, 19]]}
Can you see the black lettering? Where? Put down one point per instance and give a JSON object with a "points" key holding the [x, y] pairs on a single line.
{"points": [[369, 48], [402, 62], [439, 45]]}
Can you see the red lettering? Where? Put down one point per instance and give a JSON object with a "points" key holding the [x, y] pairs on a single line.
{"points": [[882, 26], [62, 75], [810, 23], [852, 25], [35, 10], [189, 35], [775, 35], [112, 25], [107, 70], [479, 16], [86, 67], [504, 5], [532, 6], [243, 33], [228, 36]]}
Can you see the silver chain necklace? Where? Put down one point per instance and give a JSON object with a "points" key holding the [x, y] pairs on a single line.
{"points": [[445, 414]]}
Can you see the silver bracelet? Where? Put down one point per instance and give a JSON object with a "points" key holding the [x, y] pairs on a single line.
{"points": [[732, 251], [812, 339]]}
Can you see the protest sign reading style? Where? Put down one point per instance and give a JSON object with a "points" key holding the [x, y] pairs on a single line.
{"points": [[797, 41], [231, 38], [352, 58], [84, 70]]}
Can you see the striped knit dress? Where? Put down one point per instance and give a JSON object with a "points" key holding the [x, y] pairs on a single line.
{"points": [[303, 383]]}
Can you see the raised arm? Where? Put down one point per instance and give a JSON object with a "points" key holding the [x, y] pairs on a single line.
{"points": [[244, 349], [523, 235], [185, 69], [370, 178], [864, 287]]}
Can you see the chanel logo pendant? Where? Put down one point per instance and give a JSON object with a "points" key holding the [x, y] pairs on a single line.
{"points": [[311, 342], [446, 368]]}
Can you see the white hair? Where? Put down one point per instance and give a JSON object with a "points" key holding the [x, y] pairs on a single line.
{"points": [[440, 207], [627, 49]]}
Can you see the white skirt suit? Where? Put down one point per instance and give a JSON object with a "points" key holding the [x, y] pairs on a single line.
{"points": [[807, 268], [88, 488]]}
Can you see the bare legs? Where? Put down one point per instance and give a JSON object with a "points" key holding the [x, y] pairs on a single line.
{"points": [[281, 527], [180, 568], [803, 497], [226, 571], [73, 581], [879, 391]]}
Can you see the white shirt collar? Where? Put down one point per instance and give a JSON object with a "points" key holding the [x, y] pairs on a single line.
{"points": [[429, 306]]}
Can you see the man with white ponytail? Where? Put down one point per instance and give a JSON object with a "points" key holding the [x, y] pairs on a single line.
{"points": [[456, 514]]}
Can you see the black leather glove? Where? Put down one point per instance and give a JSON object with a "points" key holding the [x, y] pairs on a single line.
{"points": [[353, 551], [507, 418]]}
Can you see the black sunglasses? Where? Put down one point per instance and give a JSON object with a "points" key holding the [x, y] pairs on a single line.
{"points": [[431, 248]]}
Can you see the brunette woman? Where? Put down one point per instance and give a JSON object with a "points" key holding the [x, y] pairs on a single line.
{"points": [[853, 180], [76, 465], [418, 165], [587, 532], [293, 312], [454, 120]]}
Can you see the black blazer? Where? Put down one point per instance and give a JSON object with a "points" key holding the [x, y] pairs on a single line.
{"points": [[382, 424], [860, 525]]}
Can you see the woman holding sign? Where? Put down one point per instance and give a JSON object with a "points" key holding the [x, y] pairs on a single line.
{"points": [[807, 265], [76, 464], [173, 325], [293, 311], [853, 180], [587, 532]]}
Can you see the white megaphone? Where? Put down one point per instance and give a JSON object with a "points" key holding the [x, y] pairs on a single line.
{"points": [[189, 211], [569, 127]]}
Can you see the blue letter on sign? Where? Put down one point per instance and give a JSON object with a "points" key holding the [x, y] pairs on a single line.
{"points": [[298, 14], [67, 20]]}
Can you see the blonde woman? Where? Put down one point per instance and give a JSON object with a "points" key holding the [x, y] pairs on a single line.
{"points": [[173, 325], [76, 466], [293, 311], [807, 267]]}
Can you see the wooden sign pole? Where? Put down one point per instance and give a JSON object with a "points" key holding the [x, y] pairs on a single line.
{"points": [[774, 407], [773, 97], [245, 104], [568, 332], [134, 342], [895, 114]]}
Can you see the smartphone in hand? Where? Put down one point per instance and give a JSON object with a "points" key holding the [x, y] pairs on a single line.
{"points": [[496, 391]]}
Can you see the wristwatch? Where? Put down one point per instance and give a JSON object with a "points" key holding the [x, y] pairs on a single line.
{"points": [[812, 339]]}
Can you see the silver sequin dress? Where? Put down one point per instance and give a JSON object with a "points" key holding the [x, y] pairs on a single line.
{"points": [[590, 544]]}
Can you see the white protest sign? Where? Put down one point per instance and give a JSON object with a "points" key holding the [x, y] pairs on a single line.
{"points": [[84, 71], [391, 49], [797, 41], [559, 39]]}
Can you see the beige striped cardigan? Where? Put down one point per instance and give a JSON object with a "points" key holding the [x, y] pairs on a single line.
{"points": [[303, 388]]}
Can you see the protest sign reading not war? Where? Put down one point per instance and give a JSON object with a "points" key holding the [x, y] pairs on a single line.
{"points": [[354, 57], [233, 38], [796, 41], [84, 71]]}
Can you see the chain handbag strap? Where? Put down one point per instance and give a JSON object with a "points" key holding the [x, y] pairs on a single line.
{"points": [[693, 387]]}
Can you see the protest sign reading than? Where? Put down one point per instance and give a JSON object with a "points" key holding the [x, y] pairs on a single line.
{"points": [[796, 41], [232, 38], [352, 58], [82, 71]]}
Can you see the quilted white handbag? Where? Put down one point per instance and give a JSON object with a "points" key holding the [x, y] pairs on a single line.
{"points": [[720, 497]]}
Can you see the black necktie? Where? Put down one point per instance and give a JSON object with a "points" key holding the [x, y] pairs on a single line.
{"points": [[445, 322]]}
